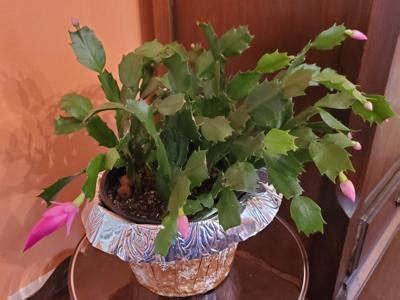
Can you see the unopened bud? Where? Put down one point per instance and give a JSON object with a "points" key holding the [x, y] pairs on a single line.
{"points": [[347, 187], [356, 34], [183, 224], [75, 22], [357, 146], [368, 106]]}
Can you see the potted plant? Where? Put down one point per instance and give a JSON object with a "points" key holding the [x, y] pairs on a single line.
{"points": [[190, 142]]}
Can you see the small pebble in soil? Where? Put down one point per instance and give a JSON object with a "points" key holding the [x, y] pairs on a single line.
{"points": [[124, 191], [125, 180], [144, 204]]}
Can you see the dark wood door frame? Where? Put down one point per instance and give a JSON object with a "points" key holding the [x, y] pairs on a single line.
{"points": [[383, 32], [376, 228]]}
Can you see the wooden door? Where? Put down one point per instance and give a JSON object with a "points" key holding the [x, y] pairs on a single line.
{"points": [[336, 256], [377, 218]]}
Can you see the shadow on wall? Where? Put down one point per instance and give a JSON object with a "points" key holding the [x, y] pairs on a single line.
{"points": [[31, 157], [30, 144]]}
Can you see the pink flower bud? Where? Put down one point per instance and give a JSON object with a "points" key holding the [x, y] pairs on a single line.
{"points": [[54, 218], [183, 226], [349, 135], [357, 146], [368, 106], [75, 22], [347, 187], [356, 34]]}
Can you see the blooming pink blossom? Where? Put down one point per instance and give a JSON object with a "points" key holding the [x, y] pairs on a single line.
{"points": [[54, 218], [368, 106], [183, 226], [357, 146], [347, 187]]}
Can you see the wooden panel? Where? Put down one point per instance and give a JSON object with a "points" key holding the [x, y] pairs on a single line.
{"points": [[355, 284], [163, 20], [277, 24], [146, 20], [377, 156], [378, 218], [376, 65], [384, 283], [386, 135], [374, 222]]}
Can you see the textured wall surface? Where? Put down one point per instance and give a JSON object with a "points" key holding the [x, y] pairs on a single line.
{"points": [[37, 67]]}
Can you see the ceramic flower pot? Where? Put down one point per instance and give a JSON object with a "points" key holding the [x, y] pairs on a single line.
{"points": [[194, 265]]}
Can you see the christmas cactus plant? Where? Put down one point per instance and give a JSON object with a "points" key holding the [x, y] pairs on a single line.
{"points": [[202, 135]]}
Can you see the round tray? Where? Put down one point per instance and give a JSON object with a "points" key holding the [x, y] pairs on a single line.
{"points": [[271, 265]]}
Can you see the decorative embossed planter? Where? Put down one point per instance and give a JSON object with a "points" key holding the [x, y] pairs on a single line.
{"points": [[193, 266], [183, 278]]}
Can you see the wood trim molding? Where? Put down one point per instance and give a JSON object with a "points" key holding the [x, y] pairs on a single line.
{"points": [[356, 282], [362, 261], [386, 192], [163, 21], [383, 30]]}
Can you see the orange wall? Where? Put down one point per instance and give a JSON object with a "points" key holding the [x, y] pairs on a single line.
{"points": [[37, 67]]}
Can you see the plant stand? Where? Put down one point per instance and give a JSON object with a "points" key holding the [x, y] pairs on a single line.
{"points": [[271, 265]]}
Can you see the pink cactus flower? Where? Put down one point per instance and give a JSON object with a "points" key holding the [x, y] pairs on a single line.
{"points": [[75, 22], [356, 34], [357, 146], [347, 187], [183, 226], [368, 106], [54, 218]]}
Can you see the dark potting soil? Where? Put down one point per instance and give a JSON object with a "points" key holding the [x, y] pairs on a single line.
{"points": [[143, 204]]}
